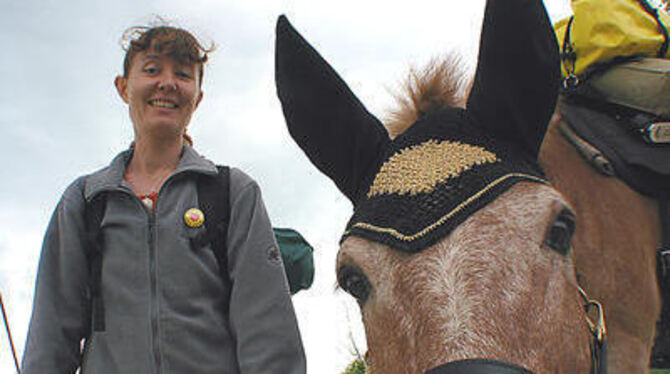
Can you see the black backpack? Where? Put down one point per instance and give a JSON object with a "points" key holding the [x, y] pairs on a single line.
{"points": [[214, 201]]}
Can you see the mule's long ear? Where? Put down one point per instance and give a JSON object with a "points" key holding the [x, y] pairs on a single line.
{"points": [[324, 117], [518, 73]]}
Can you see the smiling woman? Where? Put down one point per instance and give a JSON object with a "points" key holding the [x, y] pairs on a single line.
{"points": [[170, 59], [140, 265]]}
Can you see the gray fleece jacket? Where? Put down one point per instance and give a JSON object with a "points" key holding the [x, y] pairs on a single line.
{"points": [[167, 309]]}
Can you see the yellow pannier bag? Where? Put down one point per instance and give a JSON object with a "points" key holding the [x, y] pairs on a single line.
{"points": [[601, 32]]}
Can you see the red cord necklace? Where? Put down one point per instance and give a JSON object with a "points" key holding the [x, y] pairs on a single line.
{"points": [[149, 199]]}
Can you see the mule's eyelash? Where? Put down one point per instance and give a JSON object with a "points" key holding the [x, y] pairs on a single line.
{"points": [[353, 281], [559, 235]]}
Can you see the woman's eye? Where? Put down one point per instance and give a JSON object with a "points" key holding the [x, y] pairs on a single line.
{"points": [[151, 69], [183, 74]]}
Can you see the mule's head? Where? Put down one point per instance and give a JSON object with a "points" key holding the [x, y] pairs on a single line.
{"points": [[493, 288], [457, 249]]}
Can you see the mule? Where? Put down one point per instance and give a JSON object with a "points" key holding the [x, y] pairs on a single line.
{"points": [[458, 251], [615, 246], [616, 239]]}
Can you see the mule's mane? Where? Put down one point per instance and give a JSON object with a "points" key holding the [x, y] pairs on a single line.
{"points": [[440, 84]]}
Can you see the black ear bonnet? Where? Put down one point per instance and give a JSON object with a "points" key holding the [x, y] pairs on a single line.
{"points": [[433, 177], [411, 192]]}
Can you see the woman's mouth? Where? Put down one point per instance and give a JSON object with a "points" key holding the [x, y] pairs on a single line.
{"points": [[163, 103]]}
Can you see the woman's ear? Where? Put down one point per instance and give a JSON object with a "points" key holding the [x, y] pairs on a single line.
{"points": [[121, 84], [199, 99]]}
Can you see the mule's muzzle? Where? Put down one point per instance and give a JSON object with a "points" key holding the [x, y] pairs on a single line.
{"points": [[478, 366]]}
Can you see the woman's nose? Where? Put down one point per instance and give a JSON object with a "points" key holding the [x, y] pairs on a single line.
{"points": [[167, 82]]}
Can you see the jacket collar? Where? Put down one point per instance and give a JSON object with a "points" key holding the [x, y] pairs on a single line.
{"points": [[111, 177]]}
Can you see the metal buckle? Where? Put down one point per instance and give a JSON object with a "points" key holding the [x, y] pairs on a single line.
{"points": [[658, 132], [570, 82], [598, 328], [598, 331], [664, 259]]}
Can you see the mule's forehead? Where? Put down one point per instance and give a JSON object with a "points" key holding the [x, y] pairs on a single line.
{"points": [[531, 206], [433, 177]]}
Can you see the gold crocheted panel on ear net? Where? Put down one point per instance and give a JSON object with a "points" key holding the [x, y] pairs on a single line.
{"points": [[421, 168], [437, 173]]}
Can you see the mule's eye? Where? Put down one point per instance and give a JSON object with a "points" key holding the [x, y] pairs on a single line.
{"points": [[354, 282], [560, 233]]}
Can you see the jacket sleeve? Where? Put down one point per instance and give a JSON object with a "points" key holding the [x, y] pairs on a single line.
{"points": [[57, 323], [261, 313]]}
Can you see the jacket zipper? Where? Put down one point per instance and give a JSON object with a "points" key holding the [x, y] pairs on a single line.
{"points": [[153, 277], [154, 290]]}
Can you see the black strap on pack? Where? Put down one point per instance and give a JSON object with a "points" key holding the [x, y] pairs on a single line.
{"points": [[94, 211], [213, 197], [569, 58], [214, 201]]}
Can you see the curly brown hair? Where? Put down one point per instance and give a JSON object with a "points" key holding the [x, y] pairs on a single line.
{"points": [[174, 42]]}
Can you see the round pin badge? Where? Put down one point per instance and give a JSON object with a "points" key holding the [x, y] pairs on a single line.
{"points": [[194, 217]]}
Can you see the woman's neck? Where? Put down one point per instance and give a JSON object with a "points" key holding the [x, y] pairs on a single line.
{"points": [[151, 164]]}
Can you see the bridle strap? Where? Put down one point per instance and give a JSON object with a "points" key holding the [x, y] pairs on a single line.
{"points": [[598, 356], [478, 366], [663, 253], [660, 354]]}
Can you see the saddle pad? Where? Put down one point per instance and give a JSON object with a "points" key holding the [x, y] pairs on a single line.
{"points": [[644, 167], [643, 85]]}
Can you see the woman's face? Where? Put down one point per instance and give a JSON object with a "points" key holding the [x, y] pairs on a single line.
{"points": [[161, 94]]}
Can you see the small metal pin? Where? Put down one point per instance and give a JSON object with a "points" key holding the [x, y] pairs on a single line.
{"points": [[194, 217]]}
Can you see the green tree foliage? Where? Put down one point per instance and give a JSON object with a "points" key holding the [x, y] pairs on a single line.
{"points": [[356, 367]]}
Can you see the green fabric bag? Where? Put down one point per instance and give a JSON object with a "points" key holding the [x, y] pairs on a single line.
{"points": [[297, 255]]}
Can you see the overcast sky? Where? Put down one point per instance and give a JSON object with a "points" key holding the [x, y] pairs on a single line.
{"points": [[61, 117]]}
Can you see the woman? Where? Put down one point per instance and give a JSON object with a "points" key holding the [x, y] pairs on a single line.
{"points": [[167, 308]]}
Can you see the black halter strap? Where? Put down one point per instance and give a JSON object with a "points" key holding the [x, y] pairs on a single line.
{"points": [[664, 250], [598, 356], [660, 355], [478, 366]]}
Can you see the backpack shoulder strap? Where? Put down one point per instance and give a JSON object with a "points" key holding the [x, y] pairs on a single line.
{"points": [[94, 211], [214, 201]]}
